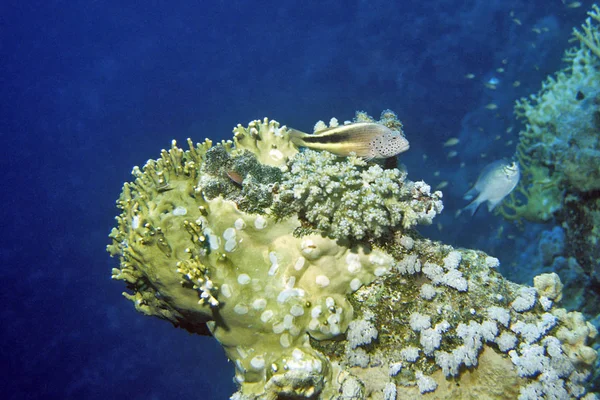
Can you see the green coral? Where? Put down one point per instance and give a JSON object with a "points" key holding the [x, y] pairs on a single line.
{"points": [[590, 36], [559, 149], [240, 178]]}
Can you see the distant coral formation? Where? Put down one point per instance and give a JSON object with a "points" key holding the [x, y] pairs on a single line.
{"points": [[559, 149], [559, 152]]}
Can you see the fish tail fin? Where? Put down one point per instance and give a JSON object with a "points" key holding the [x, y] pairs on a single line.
{"points": [[297, 137], [473, 206]]}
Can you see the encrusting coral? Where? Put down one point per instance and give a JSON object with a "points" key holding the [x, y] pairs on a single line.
{"points": [[306, 268]]}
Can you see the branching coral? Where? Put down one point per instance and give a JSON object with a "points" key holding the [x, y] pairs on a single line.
{"points": [[590, 35], [348, 198]]}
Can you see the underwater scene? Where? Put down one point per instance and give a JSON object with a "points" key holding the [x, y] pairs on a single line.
{"points": [[300, 200]]}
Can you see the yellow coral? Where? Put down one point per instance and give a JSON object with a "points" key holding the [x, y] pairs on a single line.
{"points": [[266, 139], [260, 290]]}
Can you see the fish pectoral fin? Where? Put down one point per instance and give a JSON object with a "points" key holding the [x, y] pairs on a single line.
{"points": [[368, 158]]}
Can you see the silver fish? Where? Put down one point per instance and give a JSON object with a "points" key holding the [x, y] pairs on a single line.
{"points": [[495, 182], [366, 139]]}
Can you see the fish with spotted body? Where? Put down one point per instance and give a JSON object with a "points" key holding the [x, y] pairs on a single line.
{"points": [[368, 140]]}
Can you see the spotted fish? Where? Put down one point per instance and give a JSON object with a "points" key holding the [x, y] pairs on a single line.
{"points": [[366, 139]]}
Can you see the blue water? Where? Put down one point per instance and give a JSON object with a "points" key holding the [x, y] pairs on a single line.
{"points": [[91, 88]]}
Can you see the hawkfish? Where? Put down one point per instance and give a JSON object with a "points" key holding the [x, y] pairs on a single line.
{"points": [[368, 140], [495, 182]]}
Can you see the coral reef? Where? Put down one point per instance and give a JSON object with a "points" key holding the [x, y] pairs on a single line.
{"points": [[559, 149], [307, 269], [550, 251], [581, 220], [559, 154]]}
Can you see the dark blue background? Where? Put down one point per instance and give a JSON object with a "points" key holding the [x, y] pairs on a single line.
{"points": [[91, 88]]}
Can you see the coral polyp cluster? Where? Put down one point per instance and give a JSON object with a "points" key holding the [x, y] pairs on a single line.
{"points": [[350, 199]]}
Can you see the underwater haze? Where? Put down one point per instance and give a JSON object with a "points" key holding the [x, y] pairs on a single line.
{"points": [[91, 89]]}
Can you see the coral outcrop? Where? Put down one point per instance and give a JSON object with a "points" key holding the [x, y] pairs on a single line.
{"points": [[306, 268]]}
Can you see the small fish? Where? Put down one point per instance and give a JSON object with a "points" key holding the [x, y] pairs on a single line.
{"points": [[235, 177], [495, 182], [441, 185], [452, 154], [451, 142], [574, 4], [492, 106], [366, 139], [470, 76]]}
